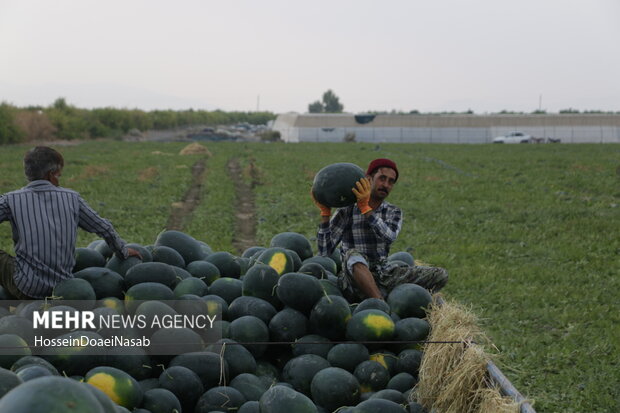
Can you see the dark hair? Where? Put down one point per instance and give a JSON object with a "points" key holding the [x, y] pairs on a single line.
{"points": [[41, 160]]}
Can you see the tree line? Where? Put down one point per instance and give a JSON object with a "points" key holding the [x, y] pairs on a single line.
{"points": [[62, 121]]}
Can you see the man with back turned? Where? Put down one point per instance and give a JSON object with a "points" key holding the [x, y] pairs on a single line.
{"points": [[44, 220]]}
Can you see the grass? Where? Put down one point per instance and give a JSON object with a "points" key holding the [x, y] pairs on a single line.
{"points": [[529, 234]]}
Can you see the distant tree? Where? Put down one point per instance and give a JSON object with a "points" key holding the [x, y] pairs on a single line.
{"points": [[329, 104], [60, 104], [569, 111], [315, 107]]}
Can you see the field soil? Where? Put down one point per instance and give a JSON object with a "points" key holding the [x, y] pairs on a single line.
{"points": [[182, 210], [245, 209]]}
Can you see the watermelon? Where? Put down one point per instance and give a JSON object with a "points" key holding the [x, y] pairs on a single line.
{"points": [[226, 263], [105, 282], [251, 406], [387, 359], [75, 289], [377, 405], [329, 317], [347, 355], [239, 359], [121, 266], [160, 401], [332, 184], [184, 383], [334, 387], [102, 247], [190, 249], [370, 325], [402, 382], [206, 271], [10, 379], [250, 329], [287, 325], [251, 386], [312, 344], [327, 263], [372, 303], [260, 281], [221, 398], [158, 272], [119, 386], [34, 360], [409, 361], [409, 300], [87, 257], [282, 399], [227, 287], [244, 305], [146, 291], [162, 253], [300, 371], [207, 365], [299, 291], [371, 375], [278, 258], [249, 252], [191, 285], [167, 341], [293, 241], [403, 256], [412, 329], [314, 269], [52, 394]]}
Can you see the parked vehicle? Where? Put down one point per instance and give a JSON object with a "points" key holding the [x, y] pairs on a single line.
{"points": [[513, 137]]}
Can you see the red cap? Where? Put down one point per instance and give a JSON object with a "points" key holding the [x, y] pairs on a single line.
{"points": [[381, 163]]}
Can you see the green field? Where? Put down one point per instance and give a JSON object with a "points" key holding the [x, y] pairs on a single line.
{"points": [[529, 234]]}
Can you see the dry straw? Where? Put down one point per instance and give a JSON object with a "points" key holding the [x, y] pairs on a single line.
{"points": [[453, 377], [195, 149]]}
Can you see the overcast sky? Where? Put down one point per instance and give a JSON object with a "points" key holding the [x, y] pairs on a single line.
{"points": [[431, 55]]}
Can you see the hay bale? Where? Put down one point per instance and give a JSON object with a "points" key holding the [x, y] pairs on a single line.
{"points": [[453, 377], [195, 149]]}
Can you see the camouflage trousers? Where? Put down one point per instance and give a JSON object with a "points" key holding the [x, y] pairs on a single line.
{"points": [[7, 269], [388, 276]]}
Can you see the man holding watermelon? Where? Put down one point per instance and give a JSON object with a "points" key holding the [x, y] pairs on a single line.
{"points": [[366, 230], [44, 218]]}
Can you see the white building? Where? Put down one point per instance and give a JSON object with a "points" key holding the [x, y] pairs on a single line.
{"points": [[413, 128]]}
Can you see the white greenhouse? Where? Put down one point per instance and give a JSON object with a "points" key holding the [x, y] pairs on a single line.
{"points": [[415, 128]]}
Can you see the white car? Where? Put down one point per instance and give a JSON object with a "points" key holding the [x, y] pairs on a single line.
{"points": [[513, 137]]}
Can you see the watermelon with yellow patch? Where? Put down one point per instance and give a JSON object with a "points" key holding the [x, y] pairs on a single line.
{"points": [[370, 325], [119, 386], [387, 359], [113, 303], [278, 259]]}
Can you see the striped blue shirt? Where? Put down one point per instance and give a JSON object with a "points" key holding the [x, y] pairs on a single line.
{"points": [[371, 235], [44, 219]]}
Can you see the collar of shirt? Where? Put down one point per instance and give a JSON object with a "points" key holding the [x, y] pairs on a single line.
{"points": [[39, 183]]}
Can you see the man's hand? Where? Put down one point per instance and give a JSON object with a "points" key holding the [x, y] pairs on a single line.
{"points": [[133, 253], [362, 193], [325, 211]]}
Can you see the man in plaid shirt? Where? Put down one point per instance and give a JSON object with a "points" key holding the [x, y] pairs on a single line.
{"points": [[366, 230]]}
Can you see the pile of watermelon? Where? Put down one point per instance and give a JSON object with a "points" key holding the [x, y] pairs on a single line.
{"points": [[290, 342]]}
